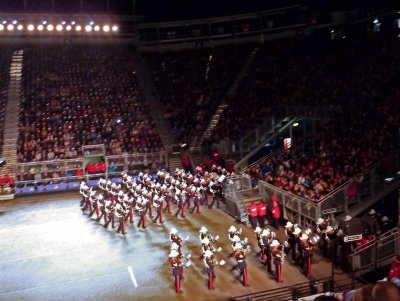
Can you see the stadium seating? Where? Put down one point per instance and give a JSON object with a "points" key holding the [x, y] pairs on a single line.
{"points": [[82, 95], [357, 75], [192, 83]]}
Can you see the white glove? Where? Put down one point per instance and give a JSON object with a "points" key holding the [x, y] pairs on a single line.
{"points": [[189, 256]]}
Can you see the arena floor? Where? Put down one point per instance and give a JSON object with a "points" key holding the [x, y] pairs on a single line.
{"points": [[51, 251]]}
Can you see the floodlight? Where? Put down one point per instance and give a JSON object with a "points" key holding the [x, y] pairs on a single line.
{"points": [[40, 27], [68, 27], [31, 27], [88, 28], [10, 27], [1, 27], [59, 27], [106, 28], [115, 28], [96, 28], [20, 27], [14, 22], [78, 28], [50, 27]]}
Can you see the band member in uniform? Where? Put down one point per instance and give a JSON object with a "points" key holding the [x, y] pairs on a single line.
{"points": [[141, 208], [291, 239], [210, 263], [232, 232], [158, 203], [180, 197], [257, 234], [306, 248], [110, 213], [120, 215], [96, 205], [177, 269], [264, 242], [174, 237], [240, 255], [278, 254], [129, 205], [196, 199]]}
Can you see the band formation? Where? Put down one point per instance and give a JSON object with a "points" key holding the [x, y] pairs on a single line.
{"points": [[143, 196]]}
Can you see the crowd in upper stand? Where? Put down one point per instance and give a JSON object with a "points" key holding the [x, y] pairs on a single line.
{"points": [[192, 83], [82, 95], [361, 78]]}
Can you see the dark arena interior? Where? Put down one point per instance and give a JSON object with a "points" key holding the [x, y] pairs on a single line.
{"points": [[206, 150]]}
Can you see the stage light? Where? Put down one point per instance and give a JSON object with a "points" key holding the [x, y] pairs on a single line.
{"points": [[44, 22], [4, 21], [73, 23], [10, 27], [91, 23], [78, 28], [106, 28], [63, 22], [115, 28], [50, 27], [295, 124], [15, 22], [59, 27], [88, 28], [31, 27], [20, 27], [1, 27], [40, 27], [68, 27], [97, 28]]}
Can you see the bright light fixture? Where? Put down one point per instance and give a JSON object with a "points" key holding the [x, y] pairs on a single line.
{"points": [[10, 27], [50, 27], [20, 27], [96, 28], [88, 28], [295, 124], [31, 27], [115, 28], [1, 27], [78, 28], [106, 28], [59, 27], [68, 27], [40, 27]]}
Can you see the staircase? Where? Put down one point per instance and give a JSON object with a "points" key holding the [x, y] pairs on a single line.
{"points": [[266, 132], [224, 104], [12, 115], [152, 99]]}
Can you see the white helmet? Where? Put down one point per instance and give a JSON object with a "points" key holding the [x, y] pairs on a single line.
{"points": [[235, 238], [304, 237], [173, 253], [174, 246], [275, 243], [258, 230], [232, 229], [203, 229], [265, 232], [320, 221], [289, 225], [173, 231], [205, 241], [208, 253]]}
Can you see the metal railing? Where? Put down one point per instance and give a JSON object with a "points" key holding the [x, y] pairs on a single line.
{"points": [[300, 290], [234, 185], [60, 175], [376, 253]]}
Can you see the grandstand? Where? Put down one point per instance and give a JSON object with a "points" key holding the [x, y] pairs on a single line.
{"points": [[295, 106]]}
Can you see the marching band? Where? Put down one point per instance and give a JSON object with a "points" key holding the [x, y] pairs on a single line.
{"points": [[139, 196]]}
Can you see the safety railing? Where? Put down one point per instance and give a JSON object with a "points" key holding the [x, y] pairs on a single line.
{"points": [[376, 253], [60, 175], [300, 290], [234, 185], [295, 208]]}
